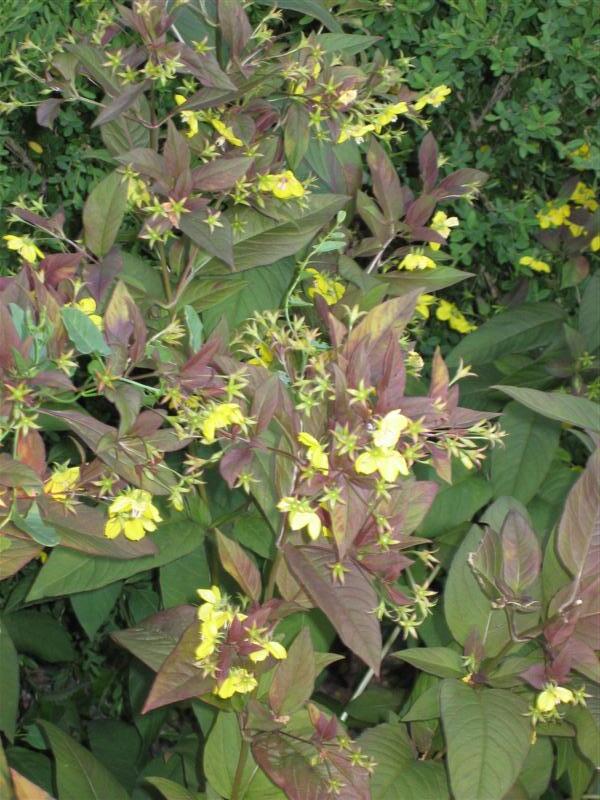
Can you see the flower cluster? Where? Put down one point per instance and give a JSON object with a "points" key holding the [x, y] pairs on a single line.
{"points": [[233, 642], [446, 312]]}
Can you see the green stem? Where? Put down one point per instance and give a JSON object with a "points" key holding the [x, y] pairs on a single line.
{"points": [[236, 788], [270, 588]]}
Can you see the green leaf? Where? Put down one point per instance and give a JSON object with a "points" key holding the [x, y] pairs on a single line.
{"points": [[440, 661], [195, 328], [171, 790], [39, 635], [348, 43], [456, 504], [311, 8], [429, 281], [155, 638], [9, 683], [537, 769], [180, 578], [117, 745], [514, 331], [518, 469], [587, 733], [398, 774], [465, 605], [487, 735], [86, 337], [103, 213], [68, 572], [78, 774], [37, 528], [221, 754], [577, 411], [426, 706], [93, 608], [589, 319]]}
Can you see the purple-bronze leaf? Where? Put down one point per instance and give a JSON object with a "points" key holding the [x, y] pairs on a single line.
{"points": [[294, 678], [578, 540], [155, 637], [428, 162], [386, 184], [240, 566], [521, 553], [349, 605]]}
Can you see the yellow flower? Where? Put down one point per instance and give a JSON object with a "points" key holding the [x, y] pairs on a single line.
{"points": [[264, 356], [36, 147], [433, 98], [595, 243], [225, 131], [423, 303], [576, 230], [221, 415], [553, 696], [325, 286], [25, 247], [581, 152], [534, 264], [301, 515], [583, 195], [188, 117], [385, 460], [388, 429], [553, 217], [133, 514], [448, 312], [239, 680], [347, 97], [356, 131], [416, 260], [317, 457], [442, 224], [62, 481], [283, 185], [268, 648], [389, 114], [88, 306], [137, 192]]}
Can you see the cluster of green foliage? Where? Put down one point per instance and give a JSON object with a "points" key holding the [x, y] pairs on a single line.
{"points": [[220, 372]]}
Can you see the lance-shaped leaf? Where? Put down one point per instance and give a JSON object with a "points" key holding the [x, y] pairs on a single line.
{"points": [[521, 553], [217, 242], [86, 337], [386, 183], [290, 764], [178, 678], [577, 411], [486, 562], [428, 162], [391, 315], [155, 638], [240, 566], [487, 735], [15, 551], [220, 174], [294, 678], [119, 104], [578, 540], [78, 773], [103, 213], [440, 661], [349, 605]]}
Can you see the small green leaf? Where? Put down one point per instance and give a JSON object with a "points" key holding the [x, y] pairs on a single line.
{"points": [[195, 328], [103, 213], [440, 661], [86, 337]]}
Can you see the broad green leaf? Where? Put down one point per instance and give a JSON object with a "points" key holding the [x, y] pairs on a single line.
{"points": [[217, 243], [399, 775], [466, 607], [9, 683], [195, 329], [261, 289], [487, 735], [587, 733], [180, 579], [426, 706], [428, 281], [93, 608], [171, 790], [39, 530], [311, 8], [578, 411], [221, 754], [519, 467], [86, 337], [68, 571], [103, 213], [39, 635], [260, 240], [347, 43], [117, 745], [78, 774], [589, 319], [456, 504], [515, 331], [537, 770], [440, 661]]}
